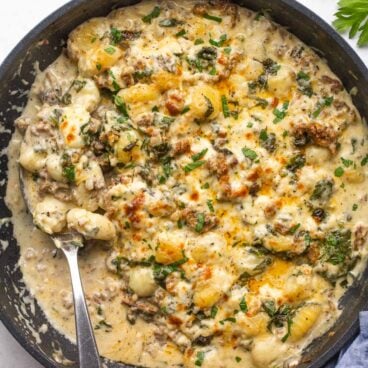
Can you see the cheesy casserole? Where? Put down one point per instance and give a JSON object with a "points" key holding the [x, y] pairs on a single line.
{"points": [[216, 168]]}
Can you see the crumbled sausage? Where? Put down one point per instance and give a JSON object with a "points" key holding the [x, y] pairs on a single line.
{"points": [[221, 163], [191, 219], [321, 135], [139, 305], [174, 102], [200, 9], [360, 236], [335, 84], [270, 211], [180, 147]]}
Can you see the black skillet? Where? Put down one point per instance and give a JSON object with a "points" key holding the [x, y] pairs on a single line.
{"points": [[43, 44]]}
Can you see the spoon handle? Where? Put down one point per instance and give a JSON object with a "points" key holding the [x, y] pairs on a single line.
{"points": [[87, 348]]}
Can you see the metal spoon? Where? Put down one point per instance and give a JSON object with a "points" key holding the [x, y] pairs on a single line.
{"points": [[70, 243]]}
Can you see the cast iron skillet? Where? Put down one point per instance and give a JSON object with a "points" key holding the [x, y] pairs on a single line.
{"points": [[43, 44]]}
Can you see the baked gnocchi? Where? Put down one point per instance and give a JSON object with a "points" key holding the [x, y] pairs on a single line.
{"points": [[224, 166]]}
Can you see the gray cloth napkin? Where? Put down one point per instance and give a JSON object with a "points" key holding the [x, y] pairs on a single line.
{"points": [[356, 355]]}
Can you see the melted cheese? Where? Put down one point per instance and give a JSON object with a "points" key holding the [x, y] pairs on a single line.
{"points": [[223, 164]]}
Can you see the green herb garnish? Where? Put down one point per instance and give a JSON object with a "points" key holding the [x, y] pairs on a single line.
{"points": [[199, 358], [200, 222], [220, 42], [214, 311], [212, 17], [69, 173], [210, 206], [248, 153], [199, 155], [327, 101], [110, 50], [225, 107], [280, 113], [155, 13], [121, 106], [339, 171], [193, 165], [352, 15], [243, 305]]}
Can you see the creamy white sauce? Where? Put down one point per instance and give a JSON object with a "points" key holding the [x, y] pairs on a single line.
{"points": [[243, 339]]}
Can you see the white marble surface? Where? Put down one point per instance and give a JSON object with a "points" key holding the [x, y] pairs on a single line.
{"points": [[16, 19]]}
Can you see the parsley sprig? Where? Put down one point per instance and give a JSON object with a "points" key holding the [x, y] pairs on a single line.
{"points": [[352, 15]]}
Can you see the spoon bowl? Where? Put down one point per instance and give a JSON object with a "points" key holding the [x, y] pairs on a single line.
{"points": [[70, 243]]}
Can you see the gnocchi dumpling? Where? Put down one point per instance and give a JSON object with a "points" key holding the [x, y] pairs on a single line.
{"points": [[54, 167], [85, 93], [126, 146], [50, 215], [169, 248], [71, 122], [304, 320], [282, 82], [142, 282], [90, 225], [30, 159], [205, 102]]}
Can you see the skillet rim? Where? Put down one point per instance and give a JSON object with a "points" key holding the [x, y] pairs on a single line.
{"points": [[23, 45]]}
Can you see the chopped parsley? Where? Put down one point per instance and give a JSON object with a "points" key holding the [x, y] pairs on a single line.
{"points": [[198, 41], [268, 140], [144, 75], [110, 50], [339, 171], [199, 358], [280, 113], [193, 165], [210, 206], [69, 173], [346, 162], [207, 53], [225, 107], [200, 222], [323, 190], [185, 110], [327, 101], [115, 84], [238, 359], [243, 305], [355, 207], [220, 42], [229, 319], [248, 153], [212, 17], [155, 13], [199, 155], [295, 163], [121, 106], [294, 229], [116, 36], [337, 246], [364, 161], [279, 317], [181, 33], [214, 311], [304, 83], [160, 271]]}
